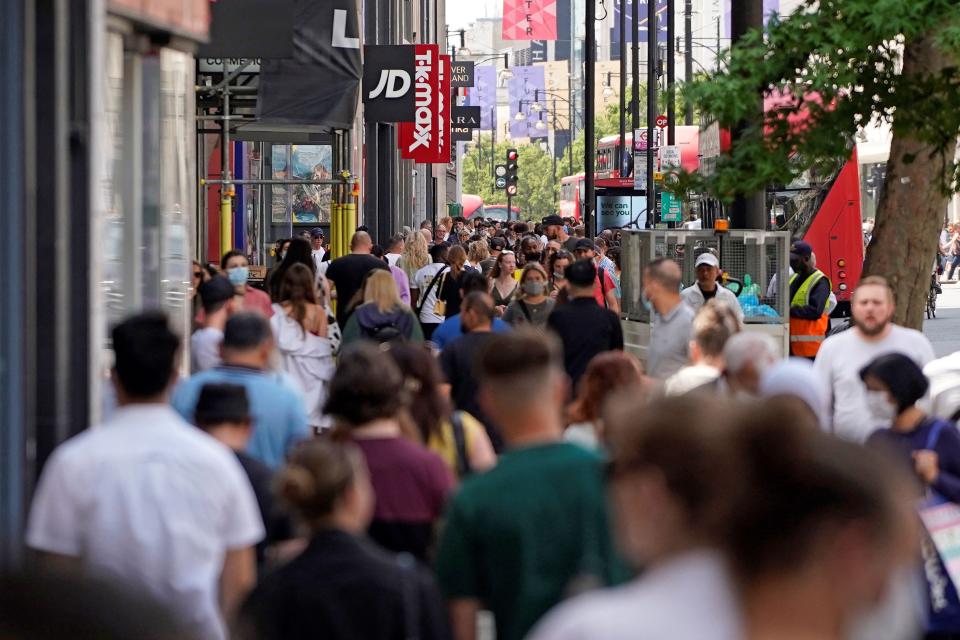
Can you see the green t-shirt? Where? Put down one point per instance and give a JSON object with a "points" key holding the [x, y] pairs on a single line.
{"points": [[523, 535]]}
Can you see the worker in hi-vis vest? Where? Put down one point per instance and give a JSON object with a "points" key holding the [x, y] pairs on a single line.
{"points": [[809, 294]]}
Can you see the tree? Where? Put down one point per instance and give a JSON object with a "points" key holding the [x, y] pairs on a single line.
{"points": [[537, 191], [835, 66]]}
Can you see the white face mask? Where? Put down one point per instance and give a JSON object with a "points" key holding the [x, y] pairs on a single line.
{"points": [[882, 410]]}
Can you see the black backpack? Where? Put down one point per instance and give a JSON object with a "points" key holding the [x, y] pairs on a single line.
{"points": [[383, 333]]}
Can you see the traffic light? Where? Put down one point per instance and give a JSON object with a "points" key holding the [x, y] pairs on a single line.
{"points": [[511, 176]]}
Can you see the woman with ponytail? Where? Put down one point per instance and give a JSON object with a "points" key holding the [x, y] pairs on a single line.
{"points": [[300, 329], [342, 586]]}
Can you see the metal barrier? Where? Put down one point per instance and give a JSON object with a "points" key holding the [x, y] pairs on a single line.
{"points": [[754, 263]]}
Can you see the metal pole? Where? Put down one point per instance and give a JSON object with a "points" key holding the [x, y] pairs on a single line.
{"points": [[622, 145], [749, 209], [226, 204], [671, 76], [589, 78], [688, 58], [553, 154], [493, 142], [651, 106], [636, 66]]}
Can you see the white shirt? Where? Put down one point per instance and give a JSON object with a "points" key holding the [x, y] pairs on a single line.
{"points": [[943, 399], [690, 597], [318, 258], [151, 500], [422, 281], [694, 297], [839, 361], [205, 349], [392, 259], [689, 378]]}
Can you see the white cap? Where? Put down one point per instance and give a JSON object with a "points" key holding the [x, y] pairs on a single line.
{"points": [[707, 258]]}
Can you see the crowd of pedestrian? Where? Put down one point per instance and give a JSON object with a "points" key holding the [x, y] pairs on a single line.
{"points": [[490, 446]]}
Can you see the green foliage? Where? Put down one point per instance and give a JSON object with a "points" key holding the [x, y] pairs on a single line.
{"points": [[537, 191], [835, 65]]}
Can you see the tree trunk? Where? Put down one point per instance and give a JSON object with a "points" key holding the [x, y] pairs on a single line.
{"points": [[912, 207]]}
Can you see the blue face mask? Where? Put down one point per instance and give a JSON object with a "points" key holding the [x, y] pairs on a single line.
{"points": [[238, 275], [646, 302]]}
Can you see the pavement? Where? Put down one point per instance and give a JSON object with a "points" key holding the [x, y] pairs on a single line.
{"points": [[944, 330]]}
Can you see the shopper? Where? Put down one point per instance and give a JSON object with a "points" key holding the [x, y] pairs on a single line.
{"points": [[497, 246], [842, 356], [279, 418], [747, 357], [342, 586], [585, 328], [796, 378], [148, 499], [554, 228], [672, 491], [671, 319], [459, 360], [604, 290], [450, 289], [714, 324], [607, 375], [411, 483], [456, 436], [394, 249], [382, 316], [520, 537], [556, 268], [299, 328], [428, 282], [707, 287], [217, 298], [451, 329], [346, 273], [414, 256], [237, 269], [532, 305], [478, 252], [503, 281]]}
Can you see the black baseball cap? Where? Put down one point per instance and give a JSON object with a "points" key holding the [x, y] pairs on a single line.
{"points": [[221, 403], [801, 249], [498, 244], [584, 244], [316, 232], [216, 289], [553, 220], [581, 273]]}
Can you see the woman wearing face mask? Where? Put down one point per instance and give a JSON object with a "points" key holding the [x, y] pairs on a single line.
{"points": [[556, 268], [236, 267], [928, 446], [532, 305]]}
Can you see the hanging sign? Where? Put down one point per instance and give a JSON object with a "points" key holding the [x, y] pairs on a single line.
{"points": [[461, 74], [529, 20], [464, 121], [388, 94], [427, 138]]}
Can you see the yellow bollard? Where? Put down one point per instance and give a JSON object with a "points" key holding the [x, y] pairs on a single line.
{"points": [[226, 222], [349, 222]]}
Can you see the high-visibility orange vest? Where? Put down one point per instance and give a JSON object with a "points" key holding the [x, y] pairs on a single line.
{"points": [[806, 336]]}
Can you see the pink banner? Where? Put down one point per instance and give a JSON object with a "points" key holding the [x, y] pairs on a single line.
{"points": [[529, 19]]}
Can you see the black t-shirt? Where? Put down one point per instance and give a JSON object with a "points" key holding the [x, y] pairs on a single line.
{"points": [[458, 362], [450, 293], [585, 329], [347, 275], [570, 244], [276, 523]]}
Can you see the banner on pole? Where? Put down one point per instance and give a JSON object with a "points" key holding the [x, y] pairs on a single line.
{"points": [[427, 138], [388, 94], [529, 20], [484, 95]]}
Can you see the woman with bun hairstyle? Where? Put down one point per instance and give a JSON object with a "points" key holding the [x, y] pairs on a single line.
{"points": [[367, 402], [342, 586]]}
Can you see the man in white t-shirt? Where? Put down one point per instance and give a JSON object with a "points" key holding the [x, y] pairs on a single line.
{"points": [[842, 356], [216, 296], [148, 499], [425, 289], [316, 245], [394, 250]]}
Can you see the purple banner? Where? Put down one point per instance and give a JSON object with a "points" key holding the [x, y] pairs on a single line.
{"points": [[769, 6], [523, 87], [628, 6], [484, 95]]}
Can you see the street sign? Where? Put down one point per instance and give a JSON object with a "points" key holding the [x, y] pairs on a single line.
{"points": [[670, 157], [640, 139], [512, 190], [461, 73], [671, 209], [657, 176], [661, 121], [500, 183], [500, 171]]}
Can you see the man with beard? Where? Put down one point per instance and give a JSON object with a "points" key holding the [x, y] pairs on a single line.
{"points": [[843, 356], [554, 229]]}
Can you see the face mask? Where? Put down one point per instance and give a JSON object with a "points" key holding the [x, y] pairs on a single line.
{"points": [[557, 275], [646, 301], [533, 288], [238, 275], [880, 407], [532, 257]]}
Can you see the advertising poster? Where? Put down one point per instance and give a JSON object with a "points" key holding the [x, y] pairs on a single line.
{"points": [[484, 95], [427, 138], [302, 202], [621, 212], [529, 20]]}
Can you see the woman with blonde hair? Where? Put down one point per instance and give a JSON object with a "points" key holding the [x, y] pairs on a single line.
{"points": [[532, 305], [300, 330], [477, 252], [382, 316], [415, 255]]}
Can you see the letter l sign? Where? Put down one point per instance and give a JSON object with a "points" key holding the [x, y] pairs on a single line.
{"points": [[340, 38]]}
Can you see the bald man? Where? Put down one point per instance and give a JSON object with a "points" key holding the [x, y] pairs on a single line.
{"points": [[671, 319], [346, 273]]}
